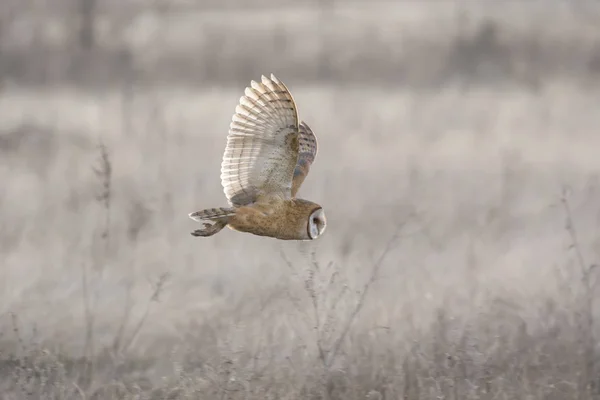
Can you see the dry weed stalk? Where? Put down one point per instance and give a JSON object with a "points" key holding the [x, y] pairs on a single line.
{"points": [[588, 382], [326, 287], [104, 174], [88, 349], [121, 342], [363, 295]]}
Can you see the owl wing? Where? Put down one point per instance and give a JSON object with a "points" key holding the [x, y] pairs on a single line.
{"points": [[262, 144], [308, 148]]}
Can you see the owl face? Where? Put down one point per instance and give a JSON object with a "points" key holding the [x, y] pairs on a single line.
{"points": [[317, 222]]}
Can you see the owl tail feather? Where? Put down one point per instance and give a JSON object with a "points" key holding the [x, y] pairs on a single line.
{"points": [[218, 216], [212, 214]]}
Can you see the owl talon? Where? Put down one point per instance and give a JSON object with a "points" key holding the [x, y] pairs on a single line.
{"points": [[200, 233], [209, 229]]}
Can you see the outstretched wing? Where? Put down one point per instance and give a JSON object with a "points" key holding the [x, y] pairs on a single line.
{"points": [[307, 154], [262, 145]]}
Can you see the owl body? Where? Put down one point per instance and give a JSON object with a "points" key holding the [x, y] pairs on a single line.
{"points": [[268, 155], [282, 219]]}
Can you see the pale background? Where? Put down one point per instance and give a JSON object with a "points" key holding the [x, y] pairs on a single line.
{"points": [[463, 123]]}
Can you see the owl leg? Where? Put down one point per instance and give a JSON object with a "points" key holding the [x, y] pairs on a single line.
{"points": [[210, 228], [213, 219]]}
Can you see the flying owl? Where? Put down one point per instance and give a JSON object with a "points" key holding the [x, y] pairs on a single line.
{"points": [[268, 155]]}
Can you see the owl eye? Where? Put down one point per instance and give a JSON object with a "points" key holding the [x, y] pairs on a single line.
{"points": [[316, 223]]}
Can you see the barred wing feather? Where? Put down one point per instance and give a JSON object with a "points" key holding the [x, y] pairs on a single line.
{"points": [[262, 144], [308, 148]]}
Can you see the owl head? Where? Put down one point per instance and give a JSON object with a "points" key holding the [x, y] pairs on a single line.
{"points": [[305, 218], [317, 222]]}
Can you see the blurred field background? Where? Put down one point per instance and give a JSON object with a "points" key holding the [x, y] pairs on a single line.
{"points": [[458, 166]]}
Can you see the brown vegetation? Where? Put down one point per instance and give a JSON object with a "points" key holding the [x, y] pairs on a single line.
{"points": [[459, 260]]}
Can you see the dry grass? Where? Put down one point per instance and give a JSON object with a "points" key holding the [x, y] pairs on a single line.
{"points": [[459, 260], [479, 296]]}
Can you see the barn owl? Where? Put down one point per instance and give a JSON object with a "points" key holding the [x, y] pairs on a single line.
{"points": [[268, 155]]}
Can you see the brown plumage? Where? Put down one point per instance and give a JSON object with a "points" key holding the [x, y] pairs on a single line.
{"points": [[267, 157], [307, 151]]}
